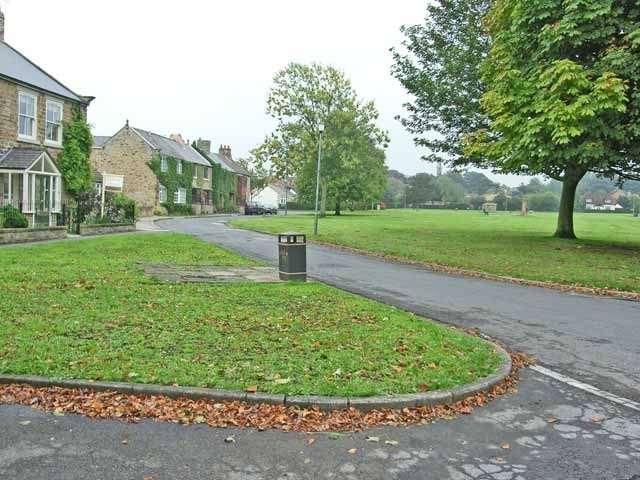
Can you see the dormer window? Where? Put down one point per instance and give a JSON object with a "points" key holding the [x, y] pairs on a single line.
{"points": [[27, 124], [53, 124]]}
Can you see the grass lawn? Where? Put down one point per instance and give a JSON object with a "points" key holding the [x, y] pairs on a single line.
{"points": [[606, 255], [83, 309]]}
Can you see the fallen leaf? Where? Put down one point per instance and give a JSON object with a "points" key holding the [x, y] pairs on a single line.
{"points": [[551, 420], [124, 442], [391, 442], [307, 461], [311, 441], [199, 419], [506, 446], [352, 451], [373, 439], [282, 381], [334, 436], [25, 423], [252, 389], [230, 439], [598, 419]]}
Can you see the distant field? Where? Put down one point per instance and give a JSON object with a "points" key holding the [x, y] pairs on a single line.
{"points": [[606, 255]]}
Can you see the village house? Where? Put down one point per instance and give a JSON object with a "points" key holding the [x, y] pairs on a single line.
{"points": [[33, 109], [225, 159], [160, 173], [275, 194]]}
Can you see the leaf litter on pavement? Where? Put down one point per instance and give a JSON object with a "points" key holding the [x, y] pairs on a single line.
{"points": [[134, 408]]}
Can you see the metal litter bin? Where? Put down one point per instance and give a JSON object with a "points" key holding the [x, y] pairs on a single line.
{"points": [[292, 249]]}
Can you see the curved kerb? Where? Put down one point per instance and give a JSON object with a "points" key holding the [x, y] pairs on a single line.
{"points": [[430, 399]]}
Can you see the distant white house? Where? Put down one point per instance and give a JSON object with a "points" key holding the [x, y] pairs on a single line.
{"points": [[273, 195], [606, 203]]}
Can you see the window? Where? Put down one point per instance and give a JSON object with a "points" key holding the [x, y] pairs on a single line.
{"points": [[164, 165], [162, 193], [195, 171], [179, 167], [27, 115], [206, 173], [180, 196], [98, 187], [53, 123]]}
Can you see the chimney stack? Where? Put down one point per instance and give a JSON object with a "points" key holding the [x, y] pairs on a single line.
{"points": [[176, 137], [225, 151], [1, 26], [204, 146]]}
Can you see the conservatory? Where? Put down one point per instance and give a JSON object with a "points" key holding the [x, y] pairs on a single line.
{"points": [[31, 182]]}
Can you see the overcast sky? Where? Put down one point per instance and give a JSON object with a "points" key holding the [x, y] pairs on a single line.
{"points": [[204, 68]]}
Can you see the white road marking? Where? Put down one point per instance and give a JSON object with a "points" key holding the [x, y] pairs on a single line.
{"points": [[587, 388]]}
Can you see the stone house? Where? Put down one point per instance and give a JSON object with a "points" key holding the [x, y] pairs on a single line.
{"points": [[160, 173], [34, 107]]}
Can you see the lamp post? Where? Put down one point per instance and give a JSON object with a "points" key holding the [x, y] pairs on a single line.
{"points": [[315, 219]]}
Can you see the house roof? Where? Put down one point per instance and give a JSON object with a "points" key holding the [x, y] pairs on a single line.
{"points": [[99, 140], [226, 163], [19, 158], [16, 66], [171, 148], [235, 166]]}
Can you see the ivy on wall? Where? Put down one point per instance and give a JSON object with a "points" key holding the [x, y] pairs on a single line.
{"points": [[224, 185], [172, 181]]}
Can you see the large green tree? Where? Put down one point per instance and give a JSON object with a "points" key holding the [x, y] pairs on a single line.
{"points": [[74, 159], [438, 64], [563, 93], [302, 98]]}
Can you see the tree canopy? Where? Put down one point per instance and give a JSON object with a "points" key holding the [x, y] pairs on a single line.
{"points": [[302, 98], [439, 65], [562, 93]]}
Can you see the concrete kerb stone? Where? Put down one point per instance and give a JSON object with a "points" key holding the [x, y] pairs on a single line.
{"points": [[430, 399]]}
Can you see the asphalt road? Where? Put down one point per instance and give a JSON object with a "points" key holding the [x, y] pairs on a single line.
{"points": [[589, 438]]}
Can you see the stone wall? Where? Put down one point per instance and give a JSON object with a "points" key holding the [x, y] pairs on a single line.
{"points": [[22, 235], [127, 154], [87, 230], [9, 117]]}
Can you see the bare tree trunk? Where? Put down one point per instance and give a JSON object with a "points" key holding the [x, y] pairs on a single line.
{"points": [[567, 201], [338, 210]]}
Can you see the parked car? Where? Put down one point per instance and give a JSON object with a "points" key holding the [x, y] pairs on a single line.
{"points": [[254, 208], [270, 210]]}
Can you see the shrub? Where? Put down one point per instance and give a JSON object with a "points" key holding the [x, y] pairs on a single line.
{"points": [[11, 217], [178, 209], [127, 206]]}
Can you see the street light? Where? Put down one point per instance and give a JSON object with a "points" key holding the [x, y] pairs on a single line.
{"points": [[315, 219]]}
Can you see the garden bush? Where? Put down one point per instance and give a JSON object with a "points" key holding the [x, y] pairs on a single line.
{"points": [[11, 217]]}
